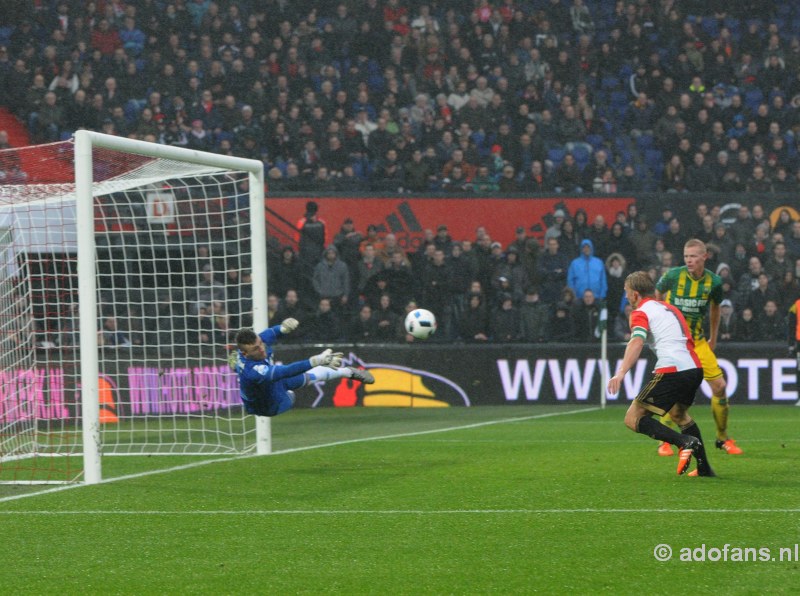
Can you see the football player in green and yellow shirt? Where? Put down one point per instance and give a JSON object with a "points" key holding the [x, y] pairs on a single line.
{"points": [[697, 293]]}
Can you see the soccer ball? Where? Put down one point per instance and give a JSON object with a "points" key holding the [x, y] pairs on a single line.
{"points": [[421, 323]]}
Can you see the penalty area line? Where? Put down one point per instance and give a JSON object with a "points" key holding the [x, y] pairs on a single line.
{"points": [[207, 462]]}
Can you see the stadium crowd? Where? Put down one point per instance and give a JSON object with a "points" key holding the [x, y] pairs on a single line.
{"points": [[414, 96], [449, 96], [532, 290]]}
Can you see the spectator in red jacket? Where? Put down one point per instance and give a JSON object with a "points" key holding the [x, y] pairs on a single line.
{"points": [[105, 38]]}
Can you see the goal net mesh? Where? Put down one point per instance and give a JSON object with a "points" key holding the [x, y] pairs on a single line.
{"points": [[173, 285]]}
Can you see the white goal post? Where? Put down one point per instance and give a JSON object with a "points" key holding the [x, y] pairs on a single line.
{"points": [[178, 252]]}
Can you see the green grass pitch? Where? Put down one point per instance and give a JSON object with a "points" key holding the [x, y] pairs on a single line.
{"points": [[506, 500]]}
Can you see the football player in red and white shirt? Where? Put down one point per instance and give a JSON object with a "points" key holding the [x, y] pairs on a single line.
{"points": [[676, 378]]}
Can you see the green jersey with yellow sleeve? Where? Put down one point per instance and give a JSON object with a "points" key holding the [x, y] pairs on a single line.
{"points": [[691, 296]]}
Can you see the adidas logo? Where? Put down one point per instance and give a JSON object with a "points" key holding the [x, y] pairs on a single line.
{"points": [[403, 221]]}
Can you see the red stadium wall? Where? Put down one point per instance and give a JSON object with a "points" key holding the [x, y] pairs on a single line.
{"points": [[408, 217]]}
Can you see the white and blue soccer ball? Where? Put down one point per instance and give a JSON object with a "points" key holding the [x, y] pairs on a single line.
{"points": [[421, 323]]}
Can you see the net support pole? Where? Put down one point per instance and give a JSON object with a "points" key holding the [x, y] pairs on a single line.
{"points": [[87, 289], [258, 249]]}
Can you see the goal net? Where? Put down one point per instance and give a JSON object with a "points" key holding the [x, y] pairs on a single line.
{"points": [[125, 270]]}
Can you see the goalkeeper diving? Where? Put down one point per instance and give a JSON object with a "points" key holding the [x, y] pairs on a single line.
{"points": [[266, 388]]}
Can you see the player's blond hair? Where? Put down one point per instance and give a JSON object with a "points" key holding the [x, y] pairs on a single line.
{"points": [[641, 282], [692, 242]]}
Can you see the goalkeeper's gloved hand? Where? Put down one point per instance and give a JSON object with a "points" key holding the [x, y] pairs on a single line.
{"points": [[289, 325], [328, 358], [233, 356]]}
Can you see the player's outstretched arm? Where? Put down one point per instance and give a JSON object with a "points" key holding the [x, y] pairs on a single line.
{"points": [[289, 325], [328, 358], [632, 352]]}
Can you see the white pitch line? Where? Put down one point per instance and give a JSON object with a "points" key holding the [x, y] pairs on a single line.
{"points": [[435, 430], [298, 449], [289, 512], [584, 441]]}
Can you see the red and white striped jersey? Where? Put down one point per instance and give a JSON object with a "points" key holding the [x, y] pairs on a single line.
{"points": [[664, 329]]}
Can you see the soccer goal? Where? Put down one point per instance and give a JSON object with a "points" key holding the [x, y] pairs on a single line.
{"points": [[125, 269]]}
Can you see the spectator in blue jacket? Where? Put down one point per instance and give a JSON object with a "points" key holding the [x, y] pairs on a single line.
{"points": [[587, 272]]}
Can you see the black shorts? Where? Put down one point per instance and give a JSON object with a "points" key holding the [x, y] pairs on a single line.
{"points": [[667, 389]]}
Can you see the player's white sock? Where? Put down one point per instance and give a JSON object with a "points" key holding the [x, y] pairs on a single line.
{"points": [[323, 373]]}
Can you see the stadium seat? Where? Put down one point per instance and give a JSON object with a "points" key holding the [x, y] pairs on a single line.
{"points": [[644, 142], [609, 83], [752, 98], [618, 99], [619, 105], [653, 157], [651, 182], [556, 155], [376, 82], [595, 141], [581, 154], [132, 111], [605, 9], [791, 147], [358, 169], [711, 27], [734, 27]]}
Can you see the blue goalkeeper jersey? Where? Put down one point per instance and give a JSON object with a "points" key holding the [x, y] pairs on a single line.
{"points": [[264, 385]]}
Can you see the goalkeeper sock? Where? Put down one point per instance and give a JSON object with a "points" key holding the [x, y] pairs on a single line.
{"points": [[666, 420], [719, 409], [647, 425], [320, 374], [693, 430]]}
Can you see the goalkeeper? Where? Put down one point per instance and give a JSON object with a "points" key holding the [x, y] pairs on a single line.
{"points": [[267, 388]]}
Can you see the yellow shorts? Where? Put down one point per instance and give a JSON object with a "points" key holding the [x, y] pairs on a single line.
{"points": [[711, 369]]}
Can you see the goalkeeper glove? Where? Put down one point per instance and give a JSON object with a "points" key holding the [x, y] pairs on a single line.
{"points": [[328, 358], [289, 325], [233, 357]]}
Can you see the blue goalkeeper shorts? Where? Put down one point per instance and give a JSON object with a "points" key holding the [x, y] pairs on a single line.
{"points": [[278, 399]]}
